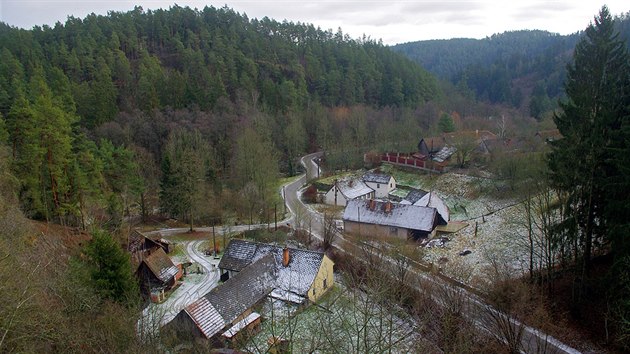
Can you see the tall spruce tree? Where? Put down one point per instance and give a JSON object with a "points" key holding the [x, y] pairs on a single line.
{"points": [[110, 269], [590, 120], [184, 172]]}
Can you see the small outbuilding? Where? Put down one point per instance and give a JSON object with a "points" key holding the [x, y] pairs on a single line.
{"points": [[432, 200], [157, 274]]}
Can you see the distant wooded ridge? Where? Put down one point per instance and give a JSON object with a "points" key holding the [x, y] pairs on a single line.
{"points": [[182, 57], [524, 69]]}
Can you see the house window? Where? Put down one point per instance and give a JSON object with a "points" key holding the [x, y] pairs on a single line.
{"points": [[378, 185], [393, 230], [325, 285]]}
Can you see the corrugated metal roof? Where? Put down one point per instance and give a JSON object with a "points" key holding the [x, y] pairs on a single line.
{"points": [[374, 177], [161, 265], [444, 154], [406, 216], [206, 317]]}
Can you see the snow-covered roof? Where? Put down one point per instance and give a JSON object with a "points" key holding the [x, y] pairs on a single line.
{"points": [[206, 317], [353, 188], [244, 289], [444, 154], [259, 272], [225, 303], [375, 177], [400, 215], [287, 296], [413, 196], [161, 265], [241, 324], [297, 277], [432, 200]]}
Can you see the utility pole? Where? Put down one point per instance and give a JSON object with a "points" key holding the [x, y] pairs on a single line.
{"points": [[224, 244], [275, 216], [359, 220], [214, 241], [284, 199]]}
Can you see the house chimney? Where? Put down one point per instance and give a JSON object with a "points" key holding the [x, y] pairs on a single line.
{"points": [[388, 207], [372, 204], [286, 257]]}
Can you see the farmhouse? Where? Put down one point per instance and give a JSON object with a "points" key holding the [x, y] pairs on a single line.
{"points": [[427, 147], [386, 219], [228, 308], [300, 274], [381, 183], [253, 271], [345, 190]]}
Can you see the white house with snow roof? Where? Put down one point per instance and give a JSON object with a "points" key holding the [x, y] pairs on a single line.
{"points": [[344, 190], [381, 183], [386, 219]]}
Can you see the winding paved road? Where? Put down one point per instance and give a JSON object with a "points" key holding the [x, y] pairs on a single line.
{"points": [[191, 289], [483, 315], [532, 341]]}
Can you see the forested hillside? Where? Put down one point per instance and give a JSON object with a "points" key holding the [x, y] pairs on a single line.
{"points": [[100, 113], [524, 69]]}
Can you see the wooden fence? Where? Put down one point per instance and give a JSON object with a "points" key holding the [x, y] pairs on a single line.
{"points": [[406, 159]]}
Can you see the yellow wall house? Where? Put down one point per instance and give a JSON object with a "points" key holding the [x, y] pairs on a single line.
{"points": [[300, 275], [252, 271], [324, 279]]}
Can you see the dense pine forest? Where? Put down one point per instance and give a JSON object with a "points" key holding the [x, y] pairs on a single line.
{"points": [[166, 117], [99, 112], [523, 69]]}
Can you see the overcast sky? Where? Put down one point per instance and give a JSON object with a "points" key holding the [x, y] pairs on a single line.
{"points": [[392, 21]]}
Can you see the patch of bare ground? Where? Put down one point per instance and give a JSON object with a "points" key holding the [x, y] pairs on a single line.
{"points": [[57, 240]]}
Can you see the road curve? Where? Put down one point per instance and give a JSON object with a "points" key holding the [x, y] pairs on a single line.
{"points": [[532, 341], [192, 288]]}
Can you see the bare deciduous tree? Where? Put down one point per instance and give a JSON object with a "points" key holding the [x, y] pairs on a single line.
{"points": [[329, 233]]}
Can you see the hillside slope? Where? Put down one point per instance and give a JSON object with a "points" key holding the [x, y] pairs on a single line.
{"points": [[524, 69]]}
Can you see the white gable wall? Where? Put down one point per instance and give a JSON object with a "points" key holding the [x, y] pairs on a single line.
{"points": [[382, 190], [335, 197]]}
